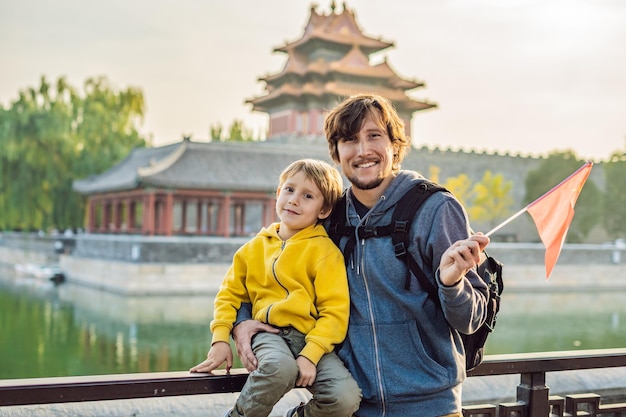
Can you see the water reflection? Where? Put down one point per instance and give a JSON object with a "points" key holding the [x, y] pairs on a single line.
{"points": [[48, 330], [535, 322], [70, 330]]}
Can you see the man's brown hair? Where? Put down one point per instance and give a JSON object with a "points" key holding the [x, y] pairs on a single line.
{"points": [[346, 120]]}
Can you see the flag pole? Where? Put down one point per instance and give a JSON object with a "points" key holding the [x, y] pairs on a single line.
{"points": [[507, 221], [519, 213]]}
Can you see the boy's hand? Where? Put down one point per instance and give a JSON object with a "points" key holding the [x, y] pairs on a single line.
{"points": [[307, 373], [220, 352]]}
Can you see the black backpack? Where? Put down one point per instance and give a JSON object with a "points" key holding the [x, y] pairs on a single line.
{"points": [[490, 270]]}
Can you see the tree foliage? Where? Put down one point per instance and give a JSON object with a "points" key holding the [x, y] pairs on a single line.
{"points": [[460, 186], [215, 132], [615, 196], [556, 168], [237, 132], [492, 199], [487, 201], [50, 136]]}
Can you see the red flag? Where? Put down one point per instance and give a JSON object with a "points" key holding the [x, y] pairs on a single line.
{"points": [[553, 212]]}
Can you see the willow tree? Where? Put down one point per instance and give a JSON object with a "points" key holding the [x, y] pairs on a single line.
{"points": [[52, 135]]}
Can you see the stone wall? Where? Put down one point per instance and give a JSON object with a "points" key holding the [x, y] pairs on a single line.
{"points": [[151, 249], [196, 265]]}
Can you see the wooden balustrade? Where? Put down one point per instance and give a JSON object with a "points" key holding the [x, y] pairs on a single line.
{"points": [[533, 397]]}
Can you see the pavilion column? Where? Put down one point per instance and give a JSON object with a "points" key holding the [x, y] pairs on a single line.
{"points": [[116, 216], [199, 204], [131, 207], [124, 215], [183, 215], [149, 208], [269, 211], [106, 217], [240, 224], [223, 223], [91, 216], [168, 221]]}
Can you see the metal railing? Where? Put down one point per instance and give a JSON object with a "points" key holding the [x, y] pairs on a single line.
{"points": [[533, 396]]}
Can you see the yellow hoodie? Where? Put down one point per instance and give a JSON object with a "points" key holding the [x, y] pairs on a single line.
{"points": [[300, 282]]}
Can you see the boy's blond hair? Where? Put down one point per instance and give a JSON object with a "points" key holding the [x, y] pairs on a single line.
{"points": [[325, 176]]}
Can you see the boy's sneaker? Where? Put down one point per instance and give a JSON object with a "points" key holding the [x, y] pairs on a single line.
{"points": [[297, 411]]}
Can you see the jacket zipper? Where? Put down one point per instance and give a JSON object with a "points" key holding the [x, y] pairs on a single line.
{"points": [[282, 247], [377, 366]]}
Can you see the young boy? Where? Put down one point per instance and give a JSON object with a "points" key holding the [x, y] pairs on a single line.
{"points": [[295, 279]]}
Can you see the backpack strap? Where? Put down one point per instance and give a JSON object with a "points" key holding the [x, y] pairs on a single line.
{"points": [[398, 229], [338, 227], [402, 219]]}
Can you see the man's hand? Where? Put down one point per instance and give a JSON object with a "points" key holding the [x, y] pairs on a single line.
{"points": [[459, 258], [242, 333], [307, 372], [220, 352]]}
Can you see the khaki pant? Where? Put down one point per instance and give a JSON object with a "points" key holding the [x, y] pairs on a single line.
{"points": [[335, 392]]}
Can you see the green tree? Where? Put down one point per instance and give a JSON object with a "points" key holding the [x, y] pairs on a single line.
{"points": [[492, 199], [556, 168], [614, 218], [487, 202], [239, 133], [215, 132], [52, 135]]}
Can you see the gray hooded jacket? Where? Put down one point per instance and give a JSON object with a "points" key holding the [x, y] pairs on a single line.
{"points": [[402, 348]]}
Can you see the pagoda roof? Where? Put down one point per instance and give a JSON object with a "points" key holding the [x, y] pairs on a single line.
{"points": [[353, 63], [235, 166], [324, 77], [338, 28], [339, 89]]}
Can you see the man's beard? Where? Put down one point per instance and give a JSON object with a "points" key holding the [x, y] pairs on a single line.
{"points": [[365, 185]]}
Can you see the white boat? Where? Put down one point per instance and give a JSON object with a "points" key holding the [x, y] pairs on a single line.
{"points": [[42, 272]]}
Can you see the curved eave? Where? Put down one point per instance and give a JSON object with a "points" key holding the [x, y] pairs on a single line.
{"points": [[125, 175], [227, 166], [367, 44], [338, 28], [88, 187], [414, 105], [353, 67], [335, 89], [316, 67]]}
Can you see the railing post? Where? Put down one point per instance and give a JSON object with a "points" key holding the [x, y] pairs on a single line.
{"points": [[533, 391]]}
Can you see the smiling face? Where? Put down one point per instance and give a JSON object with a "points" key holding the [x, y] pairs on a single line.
{"points": [[367, 158], [299, 204], [366, 136]]}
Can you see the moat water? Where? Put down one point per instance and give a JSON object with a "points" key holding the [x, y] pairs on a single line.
{"points": [[49, 330]]}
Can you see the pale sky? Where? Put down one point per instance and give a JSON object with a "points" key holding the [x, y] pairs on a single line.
{"points": [[523, 76]]}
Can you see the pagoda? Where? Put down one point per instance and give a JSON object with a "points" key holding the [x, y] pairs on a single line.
{"points": [[228, 188], [330, 62]]}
